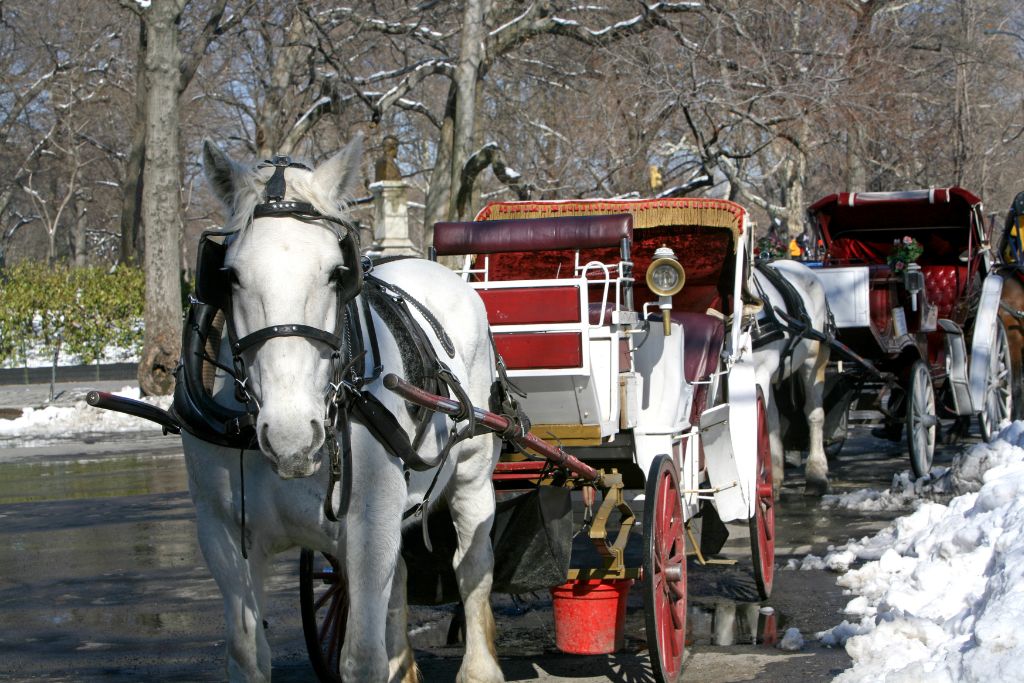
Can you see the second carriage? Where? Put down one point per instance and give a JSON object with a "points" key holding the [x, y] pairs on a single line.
{"points": [[911, 284]]}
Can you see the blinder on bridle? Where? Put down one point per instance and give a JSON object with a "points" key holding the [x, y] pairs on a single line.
{"points": [[192, 403]]}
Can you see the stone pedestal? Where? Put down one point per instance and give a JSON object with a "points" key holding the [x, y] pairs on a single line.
{"points": [[391, 218]]}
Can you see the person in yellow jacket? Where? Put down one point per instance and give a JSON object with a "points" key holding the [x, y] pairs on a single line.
{"points": [[1012, 231], [794, 249]]}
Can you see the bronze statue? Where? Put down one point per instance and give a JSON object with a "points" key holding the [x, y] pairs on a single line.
{"points": [[386, 167]]}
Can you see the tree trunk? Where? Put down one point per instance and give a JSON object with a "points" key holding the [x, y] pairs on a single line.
{"points": [[856, 174], [161, 202], [131, 199], [439, 190], [271, 128], [795, 204], [962, 109], [467, 74], [79, 241]]}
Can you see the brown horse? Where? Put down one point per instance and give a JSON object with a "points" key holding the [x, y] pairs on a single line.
{"points": [[1011, 312], [1011, 304]]}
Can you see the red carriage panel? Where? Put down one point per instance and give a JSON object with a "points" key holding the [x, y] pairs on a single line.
{"points": [[536, 350], [531, 305]]}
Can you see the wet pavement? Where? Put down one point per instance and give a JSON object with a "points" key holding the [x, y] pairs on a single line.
{"points": [[101, 579]]}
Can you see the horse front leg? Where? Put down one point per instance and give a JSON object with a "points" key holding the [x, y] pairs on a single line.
{"points": [[241, 585], [471, 499], [813, 378], [402, 664], [775, 438], [372, 541]]}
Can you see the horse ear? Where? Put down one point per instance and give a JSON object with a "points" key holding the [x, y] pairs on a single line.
{"points": [[338, 177], [220, 172]]}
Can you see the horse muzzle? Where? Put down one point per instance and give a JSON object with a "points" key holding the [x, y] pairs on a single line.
{"points": [[292, 446]]}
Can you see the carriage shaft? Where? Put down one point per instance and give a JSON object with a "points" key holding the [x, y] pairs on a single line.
{"points": [[496, 423]]}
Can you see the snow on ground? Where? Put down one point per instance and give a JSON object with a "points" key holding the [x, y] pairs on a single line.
{"points": [[53, 421], [36, 357], [904, 493], [941, 594]]}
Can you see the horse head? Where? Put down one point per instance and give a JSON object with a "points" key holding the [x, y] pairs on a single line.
{"points": [[291, 266]]}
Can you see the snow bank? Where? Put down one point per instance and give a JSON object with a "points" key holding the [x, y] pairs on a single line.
{"points": [[904, 493], [53, 421], [941, 597]]}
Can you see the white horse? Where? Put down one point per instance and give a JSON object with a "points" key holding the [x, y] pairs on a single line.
{"points": [[803, 360], [286, 269]]}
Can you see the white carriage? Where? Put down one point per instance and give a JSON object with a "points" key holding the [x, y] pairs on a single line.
{"points": [[615, 318]]}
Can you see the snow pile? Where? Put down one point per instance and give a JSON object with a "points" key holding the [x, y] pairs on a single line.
{"points": [[38, 357], [792, 640], [808, 563], [904, 493], [942, 597], [53, 421]]}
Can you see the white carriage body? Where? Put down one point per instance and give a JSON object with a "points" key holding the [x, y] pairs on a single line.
{"points": [[628, 376]]}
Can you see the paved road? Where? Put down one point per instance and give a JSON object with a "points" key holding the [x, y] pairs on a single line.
{"points": [[101, 579]]}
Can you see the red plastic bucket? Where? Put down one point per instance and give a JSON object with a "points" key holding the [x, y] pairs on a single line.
{"points": [[590, 615]]}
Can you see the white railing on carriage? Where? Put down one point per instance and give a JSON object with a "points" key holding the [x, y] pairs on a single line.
{"points": [[581, 272]]}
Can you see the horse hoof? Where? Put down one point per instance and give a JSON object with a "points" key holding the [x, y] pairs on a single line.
{"points": [[816, 487]]}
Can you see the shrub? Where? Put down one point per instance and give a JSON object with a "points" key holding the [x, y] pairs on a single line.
{"points": [[56, 310]]}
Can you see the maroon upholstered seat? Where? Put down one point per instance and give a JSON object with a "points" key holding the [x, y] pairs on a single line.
{"points": [[943, 286], [703, 335]]}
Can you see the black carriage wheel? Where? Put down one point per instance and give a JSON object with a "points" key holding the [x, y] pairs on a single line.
{"points": [[324, 601], [664, 570], [998, 405], [922, 423], [762, 524]]}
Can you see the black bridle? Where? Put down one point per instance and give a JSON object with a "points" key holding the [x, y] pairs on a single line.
{"points": [[347, 288]]}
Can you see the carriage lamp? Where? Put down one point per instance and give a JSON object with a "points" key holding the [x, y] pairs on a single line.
{"points": [[913, 280], [665, 277]]}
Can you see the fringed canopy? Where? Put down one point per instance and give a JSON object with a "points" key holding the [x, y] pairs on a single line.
{"points": [[647, 213]]}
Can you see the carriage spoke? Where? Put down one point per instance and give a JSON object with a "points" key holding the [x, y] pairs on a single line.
{"points": [[329, 595]]}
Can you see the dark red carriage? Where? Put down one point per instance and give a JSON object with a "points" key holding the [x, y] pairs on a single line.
{"points": [[910, 282]]}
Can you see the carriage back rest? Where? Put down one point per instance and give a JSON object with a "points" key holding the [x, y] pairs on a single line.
{"points": [[533, 234], [537, 248], [944, 286]]}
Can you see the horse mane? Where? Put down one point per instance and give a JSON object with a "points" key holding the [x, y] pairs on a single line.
{"points": [[250, 183]]}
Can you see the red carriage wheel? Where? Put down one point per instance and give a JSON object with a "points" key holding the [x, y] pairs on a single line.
{"points": [[762, 524], [323, 598], [664, 568]]}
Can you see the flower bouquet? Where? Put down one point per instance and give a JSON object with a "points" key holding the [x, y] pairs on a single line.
{"points": [[904, 252], [770, 248]]}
